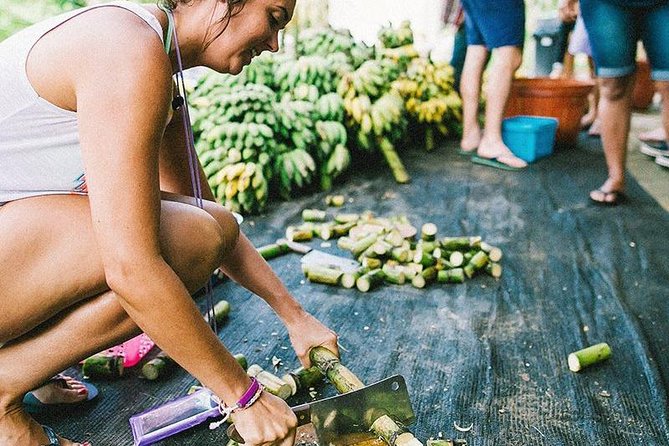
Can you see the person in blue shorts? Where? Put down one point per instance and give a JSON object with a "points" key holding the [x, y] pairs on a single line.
{"points": [[614, 28], [496, 26]]}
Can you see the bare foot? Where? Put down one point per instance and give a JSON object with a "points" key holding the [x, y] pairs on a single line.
{"points": [[18, 429], [608, 193], [499, 151], [595, 128], [588, 119], [470, 140], [65, 391], [654, 135]]}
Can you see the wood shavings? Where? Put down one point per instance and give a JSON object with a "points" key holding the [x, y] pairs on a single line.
{"points": [[462, 429], [604, 394], [276, 362]]}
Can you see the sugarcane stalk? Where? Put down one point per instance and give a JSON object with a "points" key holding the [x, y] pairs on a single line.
{"points": [[323, 231], [316, 215], [455, 243], [424, 258], [272, 383], [345, 381], [394, 162], [346, 218], [346, 243], [273, 250], [335, 200], [425, 277], [477, 262], [103, 366], [448, 442], [361, 245], [427, 246], [342, 229], [494, 269], [456, 259], [428, 232], [588, 356], [302, 378], [348, 279], [299, 235], [159, 366], [455, 275], [393, 275], [324, 275], [494, 253], [371, 263], [370, 280], [429, 138]]}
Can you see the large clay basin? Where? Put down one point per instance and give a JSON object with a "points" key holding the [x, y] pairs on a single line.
{"points": [[564, 99]]}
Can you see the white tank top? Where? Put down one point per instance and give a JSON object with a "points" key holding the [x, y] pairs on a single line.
{"points": [[40, 152]]}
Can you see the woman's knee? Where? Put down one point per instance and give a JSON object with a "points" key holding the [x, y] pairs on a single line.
{"points": [[228, 225], [615, 88]]}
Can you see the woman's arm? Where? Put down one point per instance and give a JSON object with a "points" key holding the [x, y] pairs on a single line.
{"points": [[123, 90]]}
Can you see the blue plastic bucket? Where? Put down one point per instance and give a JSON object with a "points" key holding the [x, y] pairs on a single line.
{"points": [[530, 137]]}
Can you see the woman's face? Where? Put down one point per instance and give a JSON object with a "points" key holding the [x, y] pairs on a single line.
{"points": [[251, 31]]}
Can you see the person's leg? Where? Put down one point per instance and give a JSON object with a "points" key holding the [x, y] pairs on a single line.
{"points": [[470, 91], [506, 61], [613, 32], [57, 297], [458, 57]]}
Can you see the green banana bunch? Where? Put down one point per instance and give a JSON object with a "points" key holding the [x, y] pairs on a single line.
{"points": [[330, 107], [302, 92], [326, 41], [241, 187], [401, 56], [294, 170], [368, 80], [295, 124], [395, 37], [311, 70]]}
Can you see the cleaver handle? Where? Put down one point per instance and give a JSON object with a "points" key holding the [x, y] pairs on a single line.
{"points": [[302, 412]]}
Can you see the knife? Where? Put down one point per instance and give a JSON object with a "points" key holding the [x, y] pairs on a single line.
{"points": [[352, 412]]}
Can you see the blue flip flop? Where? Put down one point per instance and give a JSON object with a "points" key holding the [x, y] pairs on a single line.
{"points": [[464, 152], [34, 406], [492, 162]]}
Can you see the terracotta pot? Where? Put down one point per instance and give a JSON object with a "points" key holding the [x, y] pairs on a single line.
{"points": [[644, 89], [564, 99]]}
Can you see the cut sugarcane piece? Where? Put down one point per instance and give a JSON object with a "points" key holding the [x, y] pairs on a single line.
{"points": [[428, 232], [475, 241], [456, 259], [448, 442], [394, 238], [477, 262], [407, 230], [494, 253], [273, 250], [299, 235], [437, 253], [346, 243], [159, 366], [393, 274], [455, 243], [425, 277], [370, 280], [241, 360], [494, 269], [443, 264], [342, 229], [335, 200], [221, 312], [345, 381], [361, 245], [588, 356], [400, 254], [426, 245], [386, 428], [424, 258], [455, 275], [371, 263], [348, 279], [346, 218], [316, 215], [103, 366], [324, 275], [394, 162], [323, 231], [381, 248], [272, 383], [302, 378]]}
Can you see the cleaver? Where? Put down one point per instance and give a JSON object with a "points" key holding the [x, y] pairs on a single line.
{"points": [[351, 414], [315, 257]]}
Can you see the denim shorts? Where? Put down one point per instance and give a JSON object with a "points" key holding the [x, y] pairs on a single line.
{"points": [[614, 31], [495, 23]]}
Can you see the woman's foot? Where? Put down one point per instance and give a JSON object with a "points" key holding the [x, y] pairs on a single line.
{"points": [[17, 428], [61, 390], [588, 119], [497, 150], [610, 193], [595, 128], [470, 141]]}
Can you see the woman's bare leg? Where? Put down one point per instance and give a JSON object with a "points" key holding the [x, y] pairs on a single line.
{"points": [[53, 292]]}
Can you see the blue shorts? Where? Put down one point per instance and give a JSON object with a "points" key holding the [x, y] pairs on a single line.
{"points": [[495, 23], [614, 31]]}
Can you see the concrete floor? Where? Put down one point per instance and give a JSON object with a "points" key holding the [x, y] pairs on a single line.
{"points": [[652, 177]]}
